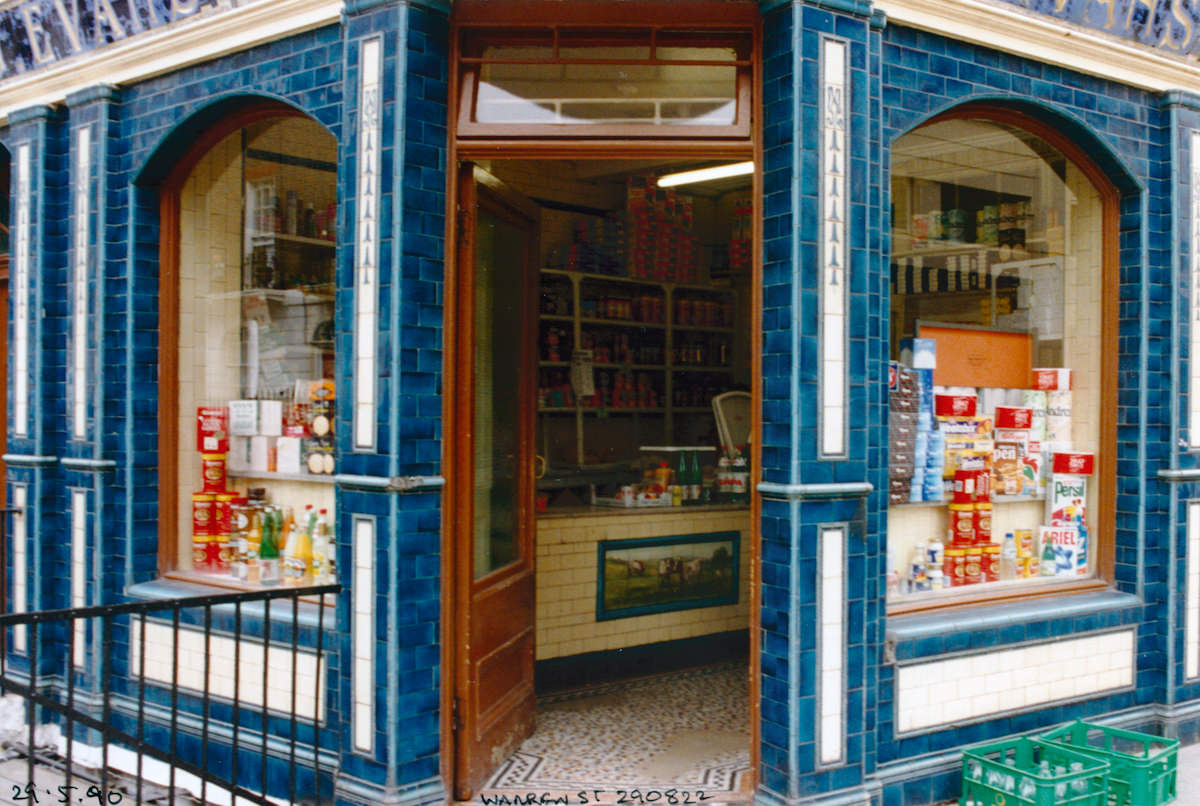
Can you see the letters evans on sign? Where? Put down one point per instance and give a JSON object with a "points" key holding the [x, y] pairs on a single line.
{"points": [[35, 33], [1170, 25]]}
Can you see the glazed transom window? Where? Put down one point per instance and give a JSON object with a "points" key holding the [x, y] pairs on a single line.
{"points": [[255, 453], [995, 386], [652, 81]]}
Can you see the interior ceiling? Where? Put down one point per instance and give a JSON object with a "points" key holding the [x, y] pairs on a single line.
{"points": [[617, 170], [972, 153]]}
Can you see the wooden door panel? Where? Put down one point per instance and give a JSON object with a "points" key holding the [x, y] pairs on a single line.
{"points": [[492, 439]]}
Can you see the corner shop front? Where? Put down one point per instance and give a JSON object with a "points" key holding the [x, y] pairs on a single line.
{"points": [[879, 727]]}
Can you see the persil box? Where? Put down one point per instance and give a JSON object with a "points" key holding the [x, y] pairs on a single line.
{"points": [[1014, 417], [1076, 464], [955, 405], [1051, 379]]}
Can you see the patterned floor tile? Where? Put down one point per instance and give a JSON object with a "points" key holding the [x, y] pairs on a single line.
{"points": [[686, 731]]}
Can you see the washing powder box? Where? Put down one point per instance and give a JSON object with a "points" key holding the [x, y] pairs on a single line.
{"points": [[955, 405], [1051, 378], [1075, 464], [919, 353]]}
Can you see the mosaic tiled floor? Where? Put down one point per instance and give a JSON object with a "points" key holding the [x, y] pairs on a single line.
{"points": [[686, 730]]}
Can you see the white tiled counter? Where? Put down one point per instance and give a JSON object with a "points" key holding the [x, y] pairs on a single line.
{"points": [[568, 567]]}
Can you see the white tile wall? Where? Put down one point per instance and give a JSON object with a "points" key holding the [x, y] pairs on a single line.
{"points": [[21, 291], [79, 570], [566, 582], [832, 650], [82, 253], [160, 656], [1193, 425], [20, 591], [362, 636], [972, 687], [834, 246], [366, 273], [1191, 629]]}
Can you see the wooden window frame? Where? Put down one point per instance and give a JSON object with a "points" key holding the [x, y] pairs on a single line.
{"points": [[1104, 530], [170, 236], [727, 31]]}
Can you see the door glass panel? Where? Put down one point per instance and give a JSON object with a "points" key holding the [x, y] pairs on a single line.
{"points": [[499, 255]]}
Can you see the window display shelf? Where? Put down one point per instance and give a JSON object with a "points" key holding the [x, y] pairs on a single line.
{"points": [[587, 320], [313, 295], [307, 478], [266, 238], [996, 499]]}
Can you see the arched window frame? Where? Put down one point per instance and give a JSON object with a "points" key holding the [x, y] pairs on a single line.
{"points": [[1105, 527]]}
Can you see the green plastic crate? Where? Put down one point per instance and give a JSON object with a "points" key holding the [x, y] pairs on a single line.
{"points": [[1009, 773], [1142, 766]]}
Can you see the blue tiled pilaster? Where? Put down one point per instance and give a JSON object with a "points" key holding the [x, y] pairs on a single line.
{"points": [[801, 491], [32, 458], [404, 764]]}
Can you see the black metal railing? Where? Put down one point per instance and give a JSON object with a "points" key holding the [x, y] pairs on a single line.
{"points": [[211, 667]]}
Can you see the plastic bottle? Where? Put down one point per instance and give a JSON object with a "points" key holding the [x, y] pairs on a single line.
{"points": [[326, 528], [1008, 557], [1048, 566], [297, 556], [320, 551]]}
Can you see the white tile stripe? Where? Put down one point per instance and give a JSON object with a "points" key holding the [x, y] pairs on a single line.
{"points": [[1193, 426], [1191, 631], [832, 653], [362, 635], [79, 332], [835, 255], [973, 687], [21, 283], [20, 500], [366, 272], [160, 657], [79, 570]]}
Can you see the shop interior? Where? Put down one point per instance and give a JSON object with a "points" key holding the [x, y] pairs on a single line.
{"points": [[642, 531]]}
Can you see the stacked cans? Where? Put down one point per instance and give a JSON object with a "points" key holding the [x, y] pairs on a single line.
{"points": [[597, 245], [903, 403], [659, 223]]}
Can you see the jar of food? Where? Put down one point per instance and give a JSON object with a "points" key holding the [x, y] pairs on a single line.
{"points": [[991, 563], [973, 565], [212, 471], [954, 567], [983, 523], [962, 524]]}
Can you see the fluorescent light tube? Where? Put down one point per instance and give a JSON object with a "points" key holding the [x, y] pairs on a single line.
{"points": [[706, 174]]}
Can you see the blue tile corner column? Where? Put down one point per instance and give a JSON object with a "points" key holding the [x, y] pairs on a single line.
{"points": [[34, 417], [822, 334], [1181, 698], [393, 186]]}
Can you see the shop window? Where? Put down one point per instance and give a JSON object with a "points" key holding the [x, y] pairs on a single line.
{"points": [[254, 412], [652, 81], [998, 441]]}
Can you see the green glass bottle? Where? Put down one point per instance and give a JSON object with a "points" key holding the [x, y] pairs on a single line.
{"points": [[268, 553]]}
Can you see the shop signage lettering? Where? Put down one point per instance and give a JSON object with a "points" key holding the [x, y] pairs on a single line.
{"points": [[1170, 25], [37, 33]]}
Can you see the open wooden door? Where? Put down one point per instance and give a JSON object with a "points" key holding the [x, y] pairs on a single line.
{"points": [[494, 366]]}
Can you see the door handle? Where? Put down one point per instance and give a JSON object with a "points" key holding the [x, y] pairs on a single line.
{"points": [[539, 466]]}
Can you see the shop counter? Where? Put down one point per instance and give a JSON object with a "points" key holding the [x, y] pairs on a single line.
{"points": [[571, 617]]}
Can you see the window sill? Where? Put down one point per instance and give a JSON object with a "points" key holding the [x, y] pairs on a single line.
{"points": [[309, 615], [952, 630]]}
